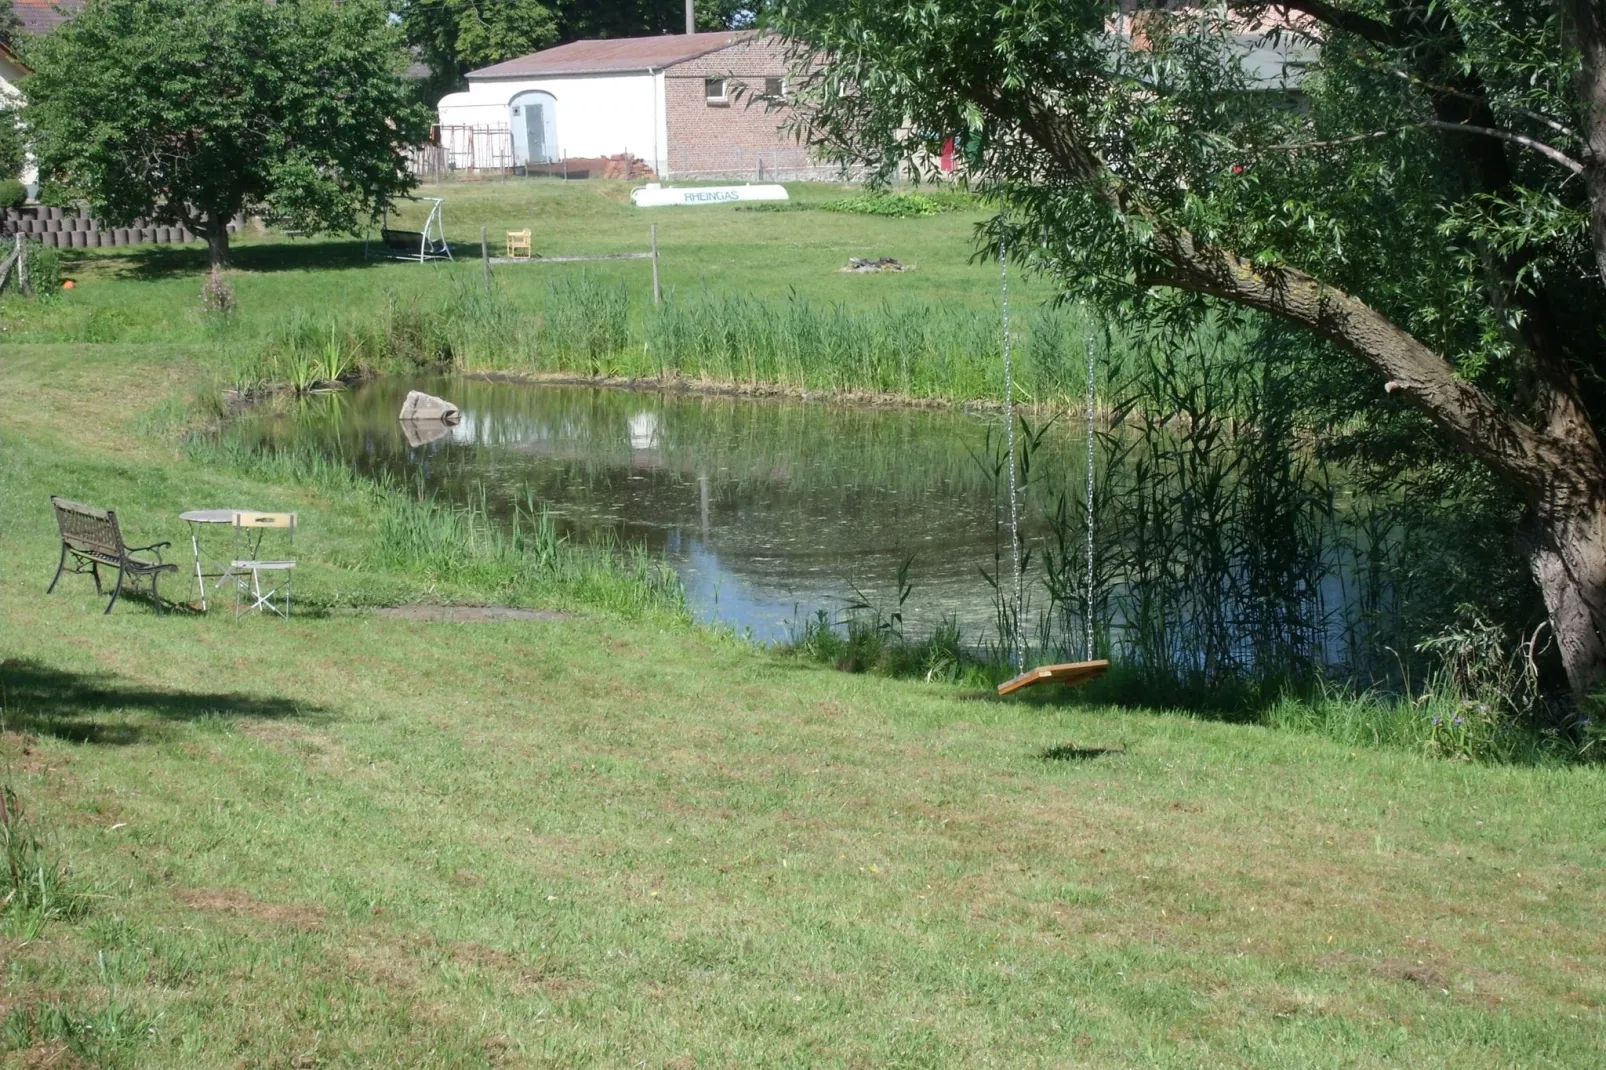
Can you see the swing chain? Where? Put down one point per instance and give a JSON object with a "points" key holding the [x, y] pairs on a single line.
{"points": [[1009, 423], [1087, 645]]}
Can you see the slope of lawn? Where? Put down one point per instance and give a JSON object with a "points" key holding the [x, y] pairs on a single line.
{"points": [[352, 840]]}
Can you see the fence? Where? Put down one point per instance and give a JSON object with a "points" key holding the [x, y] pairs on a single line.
{"points": [[469, 153], [464, 152]]}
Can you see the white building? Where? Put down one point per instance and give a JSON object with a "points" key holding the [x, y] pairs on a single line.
{"points": [[676, 102]]}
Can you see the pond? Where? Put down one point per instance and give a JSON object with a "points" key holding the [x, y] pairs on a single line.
{"points": [[769, 509]]}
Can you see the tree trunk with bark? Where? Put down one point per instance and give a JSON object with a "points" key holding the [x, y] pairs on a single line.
{"points": [[217, 241]]}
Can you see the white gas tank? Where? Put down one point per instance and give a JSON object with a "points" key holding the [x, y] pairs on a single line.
{"points": [[653, 195]]}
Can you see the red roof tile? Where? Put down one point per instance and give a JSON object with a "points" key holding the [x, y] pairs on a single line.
{"points": [[42, 16], [618, 54]]}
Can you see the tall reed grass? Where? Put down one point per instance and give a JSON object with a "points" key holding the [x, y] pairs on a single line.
{"points": [[587, 326]]}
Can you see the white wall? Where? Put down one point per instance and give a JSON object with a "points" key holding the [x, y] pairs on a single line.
{"points": [[598, 114], [11, 99]]}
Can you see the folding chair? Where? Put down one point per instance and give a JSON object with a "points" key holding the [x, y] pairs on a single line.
{"points": [[518, 245], [247, 525]]}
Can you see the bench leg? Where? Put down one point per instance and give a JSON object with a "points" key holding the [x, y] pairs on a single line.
{"points": [[94, 570], [156, 596], [60, 567], [115, 591]]}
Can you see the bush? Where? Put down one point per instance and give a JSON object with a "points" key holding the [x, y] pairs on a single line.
{"points": [[13, 194], [44, 268]]}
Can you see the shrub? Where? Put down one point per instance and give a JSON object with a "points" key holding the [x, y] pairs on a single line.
{"points": [[44, 268], [13, 194]]}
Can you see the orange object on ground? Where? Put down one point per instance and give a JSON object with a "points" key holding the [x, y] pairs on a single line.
{"points": [[1070, 674], [67, 284]]}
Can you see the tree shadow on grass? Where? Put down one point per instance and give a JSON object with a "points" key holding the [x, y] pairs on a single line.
{"points": [[86, 707], [1070, 752], [175, 261]]}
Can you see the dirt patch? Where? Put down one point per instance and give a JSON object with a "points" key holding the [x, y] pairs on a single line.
{"points": [[1419, 973], [470, 613], [243, 904]]}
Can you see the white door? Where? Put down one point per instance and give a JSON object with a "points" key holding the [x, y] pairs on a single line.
{"points": [[533, 117]]}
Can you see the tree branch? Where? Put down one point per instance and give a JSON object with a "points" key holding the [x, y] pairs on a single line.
{"points": [[1363, 26], [1550, 152], [1479, 425]]}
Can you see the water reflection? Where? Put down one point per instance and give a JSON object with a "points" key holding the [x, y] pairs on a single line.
{"points": [[769, 509]]}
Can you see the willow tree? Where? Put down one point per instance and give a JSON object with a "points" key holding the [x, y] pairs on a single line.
{"points": [[1417, 185], [193, 113]]}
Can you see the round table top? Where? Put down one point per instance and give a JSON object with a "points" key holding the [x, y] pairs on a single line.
{"points": [[210, 516]]}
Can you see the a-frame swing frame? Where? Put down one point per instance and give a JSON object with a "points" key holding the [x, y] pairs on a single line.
{"points": [[416, 245]]}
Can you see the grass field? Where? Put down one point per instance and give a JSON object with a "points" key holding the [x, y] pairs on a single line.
{"points": [[751, 298], [614, 839], [151, 293]]}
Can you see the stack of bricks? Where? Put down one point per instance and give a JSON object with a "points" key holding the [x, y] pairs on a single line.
{"points": [[625, 165], [68, 228]]}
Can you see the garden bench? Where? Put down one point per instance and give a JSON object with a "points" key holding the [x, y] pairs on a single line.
{"points": [[93, 538]]}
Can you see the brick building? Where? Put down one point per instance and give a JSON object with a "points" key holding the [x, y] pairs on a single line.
{"points": [[702, 104]]}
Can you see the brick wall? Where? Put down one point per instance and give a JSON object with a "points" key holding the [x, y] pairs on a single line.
{"points": [[741, 138]]}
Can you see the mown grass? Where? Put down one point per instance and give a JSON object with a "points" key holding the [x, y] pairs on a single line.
{"points": [[351, 840]]}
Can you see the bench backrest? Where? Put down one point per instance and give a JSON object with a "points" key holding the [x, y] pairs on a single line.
{"points": [[83, 527]]}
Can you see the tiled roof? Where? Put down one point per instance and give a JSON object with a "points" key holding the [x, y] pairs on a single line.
{"points": [[618, 54], [42, 16]]}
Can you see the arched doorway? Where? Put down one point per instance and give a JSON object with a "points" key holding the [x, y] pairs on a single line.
{"points": [[533, 117]]}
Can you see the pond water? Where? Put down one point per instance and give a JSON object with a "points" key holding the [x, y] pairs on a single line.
{"points": [[769, 509]]}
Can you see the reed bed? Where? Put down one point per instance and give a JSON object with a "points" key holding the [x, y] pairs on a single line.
{"points": [[588, 326]]}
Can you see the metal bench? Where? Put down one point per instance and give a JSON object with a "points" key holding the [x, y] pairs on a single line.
{"points": [[92, 537]]}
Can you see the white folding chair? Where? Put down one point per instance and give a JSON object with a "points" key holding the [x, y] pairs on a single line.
{"points": [[249, 528]]}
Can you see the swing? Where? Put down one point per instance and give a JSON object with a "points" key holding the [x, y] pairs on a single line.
{"points": [[1075, 672], [416, 245]]}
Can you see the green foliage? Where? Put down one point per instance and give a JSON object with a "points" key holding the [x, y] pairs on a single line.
{"points": [[901, 205], [193, 113], [457, 36], [44, 268], [13, 194], [34, 885]]}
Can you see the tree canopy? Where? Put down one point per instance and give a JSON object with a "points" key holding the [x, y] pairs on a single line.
{"points": [[457, 36], [191, 114], [1410, 193]]}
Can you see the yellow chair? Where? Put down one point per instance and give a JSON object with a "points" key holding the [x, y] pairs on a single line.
{"points": [[518, 244], [255, 564]]}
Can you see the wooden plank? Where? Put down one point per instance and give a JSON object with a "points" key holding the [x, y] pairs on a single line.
{"points": [[568, 259], [1069, 674]]}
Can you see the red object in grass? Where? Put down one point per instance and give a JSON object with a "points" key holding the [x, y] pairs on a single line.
{"points": [[67, 284], [948, 155], [1238, 168]]}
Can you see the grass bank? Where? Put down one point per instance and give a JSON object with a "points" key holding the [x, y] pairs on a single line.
{"points": [[751, 299], [351, 840]]}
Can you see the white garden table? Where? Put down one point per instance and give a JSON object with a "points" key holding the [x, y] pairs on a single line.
{"points": [[198, 520]]}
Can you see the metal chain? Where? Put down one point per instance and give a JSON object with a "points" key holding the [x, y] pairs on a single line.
{"points": [[1009, 418], [1087, 647]]}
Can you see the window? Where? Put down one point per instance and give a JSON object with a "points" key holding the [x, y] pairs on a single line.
{"points": [[714, 90], [775, 88]]}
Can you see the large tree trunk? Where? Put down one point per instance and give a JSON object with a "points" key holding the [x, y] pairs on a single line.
{"points": [[217, 242], [1568, 558]]}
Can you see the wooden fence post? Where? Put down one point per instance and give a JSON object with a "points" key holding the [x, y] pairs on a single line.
{"points": [[485, 258], [653, 233]]}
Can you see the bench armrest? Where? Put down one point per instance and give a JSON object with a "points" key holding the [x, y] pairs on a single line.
{"points": [[157, 546]]}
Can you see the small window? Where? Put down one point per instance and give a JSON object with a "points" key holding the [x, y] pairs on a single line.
{"points": [[714, 89], [775, 88]]}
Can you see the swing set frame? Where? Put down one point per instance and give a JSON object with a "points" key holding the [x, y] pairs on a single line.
{"points": [[417, 246]]}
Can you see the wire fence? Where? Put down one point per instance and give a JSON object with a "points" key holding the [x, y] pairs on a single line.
{"points": [[481, 152]]}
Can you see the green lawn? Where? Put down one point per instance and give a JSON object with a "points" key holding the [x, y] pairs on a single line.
{"points": [[152, 293], [355, 841]]}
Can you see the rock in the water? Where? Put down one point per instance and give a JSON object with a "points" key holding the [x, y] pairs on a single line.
{"points": [[422, 406]]}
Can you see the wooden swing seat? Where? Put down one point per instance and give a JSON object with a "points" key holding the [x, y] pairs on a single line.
{"points": [[1069, 674]]}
